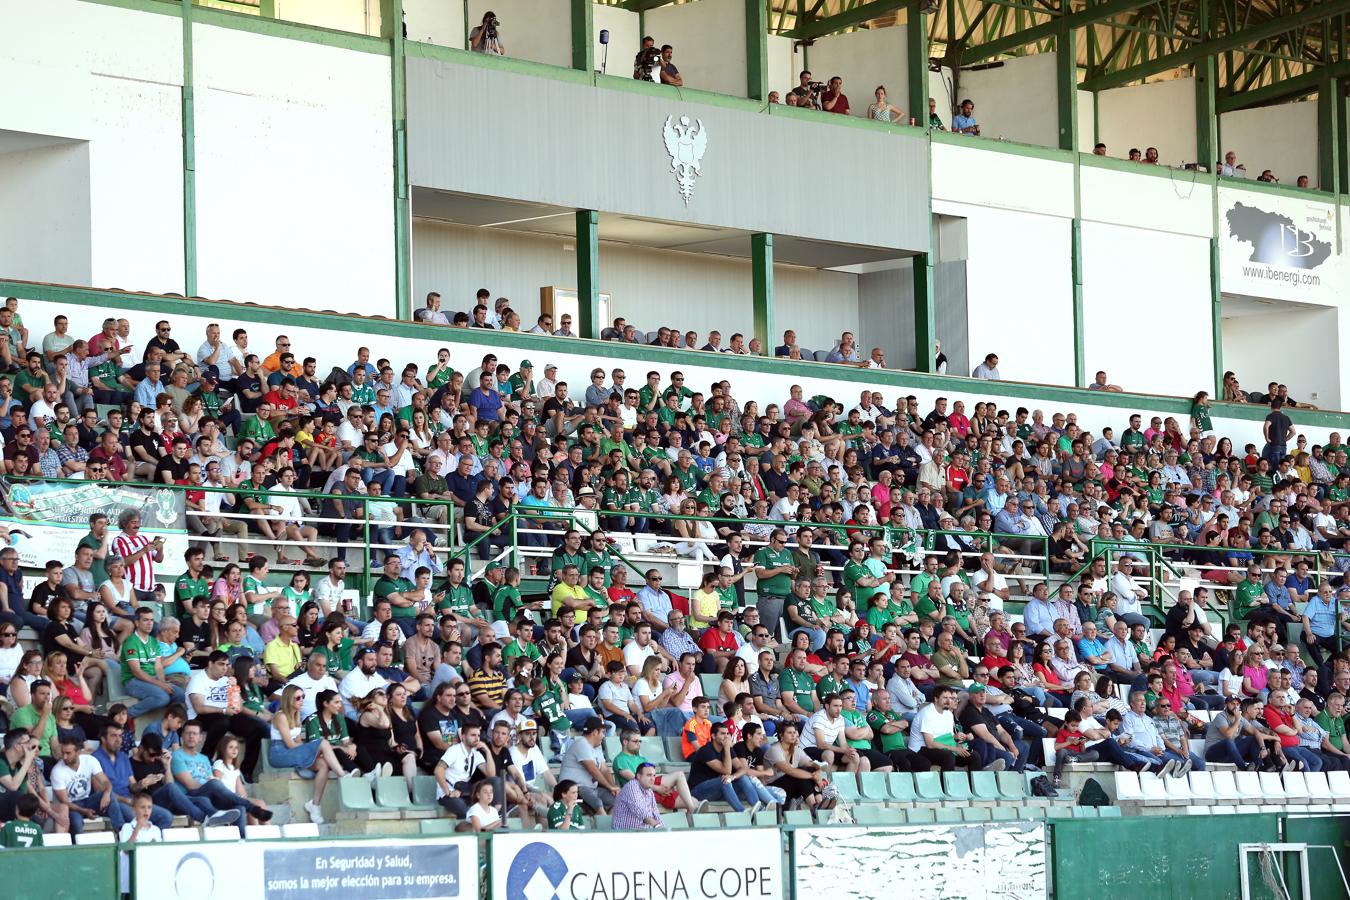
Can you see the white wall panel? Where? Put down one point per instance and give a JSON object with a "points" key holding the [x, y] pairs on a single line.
{"points": [[435, 22], [1281, 138], [1181, 202], [1016, 99], [709, 42], [1019, 294], [294, 173], [980, 174], [624, 38], [865, 59], [1159, 115], [1290, 345], [44, 214], [111, 77], [1087, 122], [1146, 309], [537, 30], [783, 66], [650, 288]]}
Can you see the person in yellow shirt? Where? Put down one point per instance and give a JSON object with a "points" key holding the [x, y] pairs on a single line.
{"points": [[571, 593]]}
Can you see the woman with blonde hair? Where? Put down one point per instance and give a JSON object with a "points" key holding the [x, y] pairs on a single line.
{"points": [[288, 749]]}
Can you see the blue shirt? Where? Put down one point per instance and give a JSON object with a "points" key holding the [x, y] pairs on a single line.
{"points": [[1038, 617], [487, 403], [118, 771], [1279, 595], [168, 740], [195, 764], [371, 371], [147, 391], [655, 602], [959, 122], [1321, 616], [1086, 648]]}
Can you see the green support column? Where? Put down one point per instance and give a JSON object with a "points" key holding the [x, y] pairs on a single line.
{"points": [[925, 315], [761, 263], [1076, 266], [583, 35], [916, 44], [756, 49], [1066, 78], [1206, 114], [189, 161], [1331, 149], [391, 30], [1216, 315], [588, 273]]}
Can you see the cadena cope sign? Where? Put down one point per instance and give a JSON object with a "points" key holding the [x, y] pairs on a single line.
{"points": [[638, 866]]}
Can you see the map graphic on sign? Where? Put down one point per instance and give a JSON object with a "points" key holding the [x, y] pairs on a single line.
{"points": [[1275, 238]]}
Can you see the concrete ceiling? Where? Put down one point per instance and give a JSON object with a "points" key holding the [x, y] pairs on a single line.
{"points": [[537, 218], [19, 141]]}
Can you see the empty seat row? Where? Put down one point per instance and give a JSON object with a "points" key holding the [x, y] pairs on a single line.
{"points": [[192, 834], [390, 799], [1235, 788], [906, 789]]}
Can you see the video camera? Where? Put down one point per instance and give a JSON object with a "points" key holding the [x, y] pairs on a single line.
{"points": [[647, 62]]}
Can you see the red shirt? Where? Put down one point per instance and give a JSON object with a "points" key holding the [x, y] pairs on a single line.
{"points": [[1274, 718], [717, 639], [840, 107]]}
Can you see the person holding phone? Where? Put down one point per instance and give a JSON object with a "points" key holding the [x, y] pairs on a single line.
{"points": [[139, 553]]}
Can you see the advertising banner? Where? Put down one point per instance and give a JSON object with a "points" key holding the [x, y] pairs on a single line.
{"points": [[1284, 248], [664, 865], [47, 520], [952, 862], [430, 869]]}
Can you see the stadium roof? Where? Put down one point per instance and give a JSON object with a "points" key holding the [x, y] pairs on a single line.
{"points": [[1266, 51]]}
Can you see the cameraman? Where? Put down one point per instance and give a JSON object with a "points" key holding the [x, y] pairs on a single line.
{"points": [[669, 74], [835, 100], [485, 38], [644, 64], [803, 91]]}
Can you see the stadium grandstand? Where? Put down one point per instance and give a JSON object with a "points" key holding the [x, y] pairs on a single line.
{"points": [[503, 448]]}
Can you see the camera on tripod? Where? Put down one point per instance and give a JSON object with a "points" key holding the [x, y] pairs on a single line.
{"points": [[647, 62], [816, 86], [490, 25]]}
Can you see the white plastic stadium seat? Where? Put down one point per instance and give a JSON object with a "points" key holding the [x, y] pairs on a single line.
{"points": [[1225, 787], [1202, 788], [1249, 787], [1296, 787], [1340, 786], [300, 830], [56, 840], [220, 833], [1127, 787], [182, 835], [1155, 792], [1272, 788], [262, 832], [95, 837]]}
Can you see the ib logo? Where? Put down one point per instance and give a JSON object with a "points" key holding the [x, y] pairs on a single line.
{"points": [[536, 873]]}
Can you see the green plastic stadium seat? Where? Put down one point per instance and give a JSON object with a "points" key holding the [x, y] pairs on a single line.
{"points": [[707, 820], [392, 793], [734, 819], [956, 785], [928, 787], [424, 790], [868, 814], [984, 786], [1013, 785], [437, 826], [354, 795], [1005, 813], [766, 818], [977, 814], [901, 787], [846, 783], [676, 821], [798, 817], [874, 786], [604, 823]]}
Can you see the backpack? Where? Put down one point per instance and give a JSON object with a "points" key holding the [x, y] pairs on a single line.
{"points": [[338, 377], [1041, 786], [1093, 794]]}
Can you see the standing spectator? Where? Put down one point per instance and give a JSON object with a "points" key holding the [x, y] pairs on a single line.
{"points": [[834, 99], [138, 553]]}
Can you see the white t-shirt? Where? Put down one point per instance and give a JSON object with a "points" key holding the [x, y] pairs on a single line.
{"points": [[486, 815], [227, 775], [76, 782], [998, 583], [619, 695], [532, 764], [1123, 587], [829, 728], [459, 765], [357, 684], [931, 721], [634, 655], [213, 692]]}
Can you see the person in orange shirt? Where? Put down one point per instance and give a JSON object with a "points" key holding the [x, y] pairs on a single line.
{"points": [[273, 361], [698, 730]]}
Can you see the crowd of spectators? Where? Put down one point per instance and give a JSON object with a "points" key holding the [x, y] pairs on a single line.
{"points": [[884, 541]]}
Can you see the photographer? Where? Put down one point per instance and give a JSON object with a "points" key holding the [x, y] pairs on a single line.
{"points": [[669, 74], [835, 100], [647, 60], [485, 37], [807, 92]]}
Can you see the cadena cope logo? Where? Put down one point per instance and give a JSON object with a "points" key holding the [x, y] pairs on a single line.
{"points": [[536, 873]]}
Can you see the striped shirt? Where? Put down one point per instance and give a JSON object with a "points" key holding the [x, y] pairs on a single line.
{"points": [[633, 807], [140, 573]]}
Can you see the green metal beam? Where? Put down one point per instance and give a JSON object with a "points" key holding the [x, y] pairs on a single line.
{"points": [[1206, 86], [1087, 16], [189, 161], [1331, 145], [756, 49], [588, 274], [583, 35], [1066, 83], [863, 12], [1288, 88], [1216, 316], [1236, 40], [916, 44], [644, 5], [761, 265], [925, 314], [1076, 268]]}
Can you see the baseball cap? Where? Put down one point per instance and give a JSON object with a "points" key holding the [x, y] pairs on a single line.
{"points": [[211, 372], [529, 725], [360, 652], [975, 688], [593, 724], [526, 364], [492, 567], [549, 367]]}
